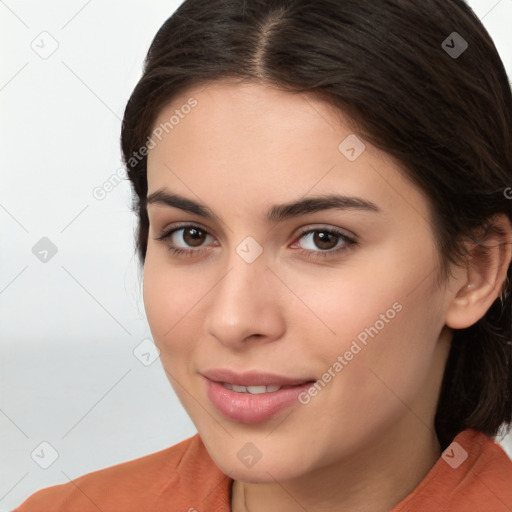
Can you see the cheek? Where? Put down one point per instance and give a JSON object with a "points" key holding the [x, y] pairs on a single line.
{"points": [[373, 314], [338, 303], [170, 298], [387, 342]]}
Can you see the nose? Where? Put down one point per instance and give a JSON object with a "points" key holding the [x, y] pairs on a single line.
{"points": [[246, 305]]}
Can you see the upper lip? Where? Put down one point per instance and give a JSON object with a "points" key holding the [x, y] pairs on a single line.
{"points": [[251, 378]]}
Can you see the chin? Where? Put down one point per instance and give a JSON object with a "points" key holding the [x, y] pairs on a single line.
{"points": [[261, 472]]}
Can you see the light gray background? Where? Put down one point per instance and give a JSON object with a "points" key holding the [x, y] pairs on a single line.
{"points": [[69, 326]]}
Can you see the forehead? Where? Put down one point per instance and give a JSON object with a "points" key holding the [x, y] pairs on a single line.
{"points": [[253, 142]]}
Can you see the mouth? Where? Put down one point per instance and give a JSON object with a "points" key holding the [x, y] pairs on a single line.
{"points": [[252, 397], [257, 390], [253, 379]]}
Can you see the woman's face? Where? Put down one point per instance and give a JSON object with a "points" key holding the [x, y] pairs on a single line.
{"points": [[341, 292]]}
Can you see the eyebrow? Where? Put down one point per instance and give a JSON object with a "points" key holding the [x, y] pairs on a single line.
{"points": [[276, 213]]}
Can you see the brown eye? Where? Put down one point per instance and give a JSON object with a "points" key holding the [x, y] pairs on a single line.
{"points": [[193, 237], [325, 240], [188, 239]]}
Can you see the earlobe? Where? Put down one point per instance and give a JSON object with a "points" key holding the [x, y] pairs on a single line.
{"points": [[486, 270]]}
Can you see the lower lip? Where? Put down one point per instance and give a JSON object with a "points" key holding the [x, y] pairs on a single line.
{"points": [[249, 408]]}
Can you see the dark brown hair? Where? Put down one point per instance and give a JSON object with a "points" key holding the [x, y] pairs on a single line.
{"points": [[445, 117]]}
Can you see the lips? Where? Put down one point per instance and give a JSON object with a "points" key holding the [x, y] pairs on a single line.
{"points": [[252, 397], [253, 378]]}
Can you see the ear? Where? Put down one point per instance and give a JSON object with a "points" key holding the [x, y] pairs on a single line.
{"points": [[483, 275]]}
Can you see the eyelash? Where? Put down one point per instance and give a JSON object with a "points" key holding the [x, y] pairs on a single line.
{"points": [[178, 251]]}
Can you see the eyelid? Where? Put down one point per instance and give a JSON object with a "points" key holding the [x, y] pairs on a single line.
{"points": [[302, 231], [319, 227], [349, 241], [164, 232]]}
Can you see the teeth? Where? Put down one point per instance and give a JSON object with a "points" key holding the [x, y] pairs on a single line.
{"points": [[254, 390]]}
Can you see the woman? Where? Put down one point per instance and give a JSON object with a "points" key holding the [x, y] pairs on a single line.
{"points": [[323, 197]]}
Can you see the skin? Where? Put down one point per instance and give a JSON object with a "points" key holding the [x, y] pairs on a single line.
{"points": [[367, 439]]}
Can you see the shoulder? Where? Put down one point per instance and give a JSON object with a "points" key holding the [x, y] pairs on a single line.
{"points": [[474, 473], [489, 475], [182, 477]]}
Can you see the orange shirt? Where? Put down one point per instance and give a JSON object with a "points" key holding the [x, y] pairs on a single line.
{"points": [[474, 475]]}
